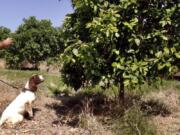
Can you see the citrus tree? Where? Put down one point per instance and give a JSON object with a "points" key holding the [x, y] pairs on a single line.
{"points": [[35, 40], [4, 33], [124, 42]]}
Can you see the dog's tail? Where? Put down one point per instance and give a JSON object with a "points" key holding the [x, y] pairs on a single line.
{"points": [[2, 120]]}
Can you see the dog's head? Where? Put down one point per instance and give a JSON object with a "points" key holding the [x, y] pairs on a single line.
{"points": [[33, 82]]}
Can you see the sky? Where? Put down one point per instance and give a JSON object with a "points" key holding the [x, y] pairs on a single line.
{"points": [[12, 12]]}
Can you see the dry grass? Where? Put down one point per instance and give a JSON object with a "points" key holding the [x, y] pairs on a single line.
{"points": [[134, 122], [91, 123], [87, 113], [169, 125], [168, 97]]}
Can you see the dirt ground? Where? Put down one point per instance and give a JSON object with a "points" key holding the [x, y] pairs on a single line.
{"points": [[169, 125], [48, 111], [46, 119]]}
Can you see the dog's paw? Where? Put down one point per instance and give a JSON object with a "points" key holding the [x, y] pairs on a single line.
{"points": [[31, 115]]}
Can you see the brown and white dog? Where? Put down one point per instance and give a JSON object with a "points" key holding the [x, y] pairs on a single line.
{"points": [[14, 113]]}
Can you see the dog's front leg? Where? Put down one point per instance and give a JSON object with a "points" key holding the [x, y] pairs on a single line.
{"points": [[29, 109]]}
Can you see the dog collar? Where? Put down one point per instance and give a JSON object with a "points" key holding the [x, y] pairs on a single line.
{"points": [[24, 90]]}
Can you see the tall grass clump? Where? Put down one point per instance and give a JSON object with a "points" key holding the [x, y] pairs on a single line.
{"points": [[133, 122], [90, 122]]}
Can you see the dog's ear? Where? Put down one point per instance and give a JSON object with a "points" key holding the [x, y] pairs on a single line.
{"points": [[37, 79], [33, 83]]}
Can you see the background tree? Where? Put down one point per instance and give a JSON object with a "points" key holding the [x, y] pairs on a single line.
{"points": [[4, 33], [125, 42], [35, 40]]}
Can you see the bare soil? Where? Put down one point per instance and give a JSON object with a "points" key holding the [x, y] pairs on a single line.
{"points": [[46, 119]]}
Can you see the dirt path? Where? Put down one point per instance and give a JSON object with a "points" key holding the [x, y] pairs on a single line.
{"points": [[45, 121]]}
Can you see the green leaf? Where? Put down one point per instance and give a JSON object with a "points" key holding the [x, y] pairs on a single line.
{"points": [[114, 64], [134, 67], [131, 51], [97, 40], [115, 51], [158, 54], [107, 33], [117, 34], [126, 82], [163, 23], [161, 66], [117, 65], [95, 8], [173, 49], [128, 25], [137, 41], [177, 55], [75, 52], [166, 50], [168, 64], [73, 60], [135, 80], [164, 37]]}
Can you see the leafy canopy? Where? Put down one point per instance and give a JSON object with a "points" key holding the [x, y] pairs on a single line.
{"points": [[128, 41], [35, 40], [4, 33]]}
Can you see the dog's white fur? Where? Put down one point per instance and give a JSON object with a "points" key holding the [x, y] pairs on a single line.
{"points": [[14, 113]]}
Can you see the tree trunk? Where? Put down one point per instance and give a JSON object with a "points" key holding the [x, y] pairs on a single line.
{"points": [[121, 92]]}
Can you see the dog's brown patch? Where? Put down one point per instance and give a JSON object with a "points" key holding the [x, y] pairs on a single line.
{"points": [[33, 82]]}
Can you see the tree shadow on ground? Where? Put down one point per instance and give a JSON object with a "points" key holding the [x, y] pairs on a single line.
{"points": [[70, 108], [26, 115]]}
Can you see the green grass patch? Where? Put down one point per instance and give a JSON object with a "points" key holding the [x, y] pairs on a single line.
{"points": [[19, 78], [54, 85], [110, 92], [177, 86], [157, 86]]}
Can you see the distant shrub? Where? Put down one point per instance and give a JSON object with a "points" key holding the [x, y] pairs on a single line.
{"points": [[34, 41], [4, 33]]}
